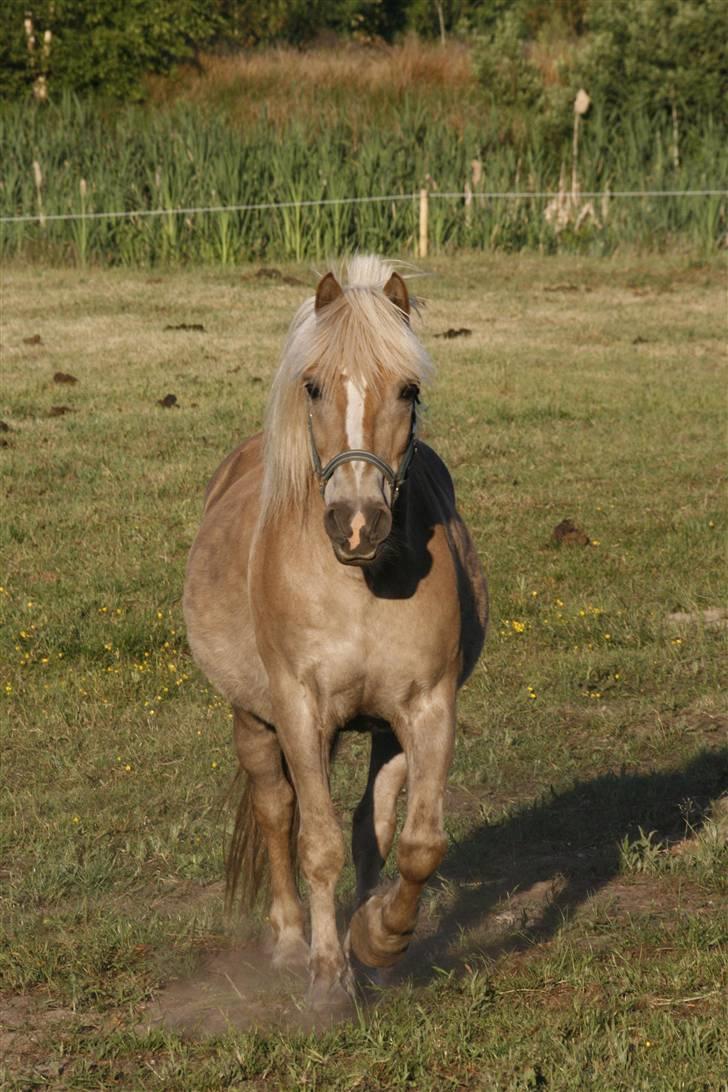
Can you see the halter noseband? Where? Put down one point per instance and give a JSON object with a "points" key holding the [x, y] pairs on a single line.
{"points": [[395, 478]]}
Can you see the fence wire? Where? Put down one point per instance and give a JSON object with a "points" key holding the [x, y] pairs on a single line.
{"points": [[433, 195]]}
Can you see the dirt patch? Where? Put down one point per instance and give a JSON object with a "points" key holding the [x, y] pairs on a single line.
{"points": [[188, 896], [460, 331], [712, 618], [238, 989], [27, 1027], [713, 726], [567, 533], [267, 273]]}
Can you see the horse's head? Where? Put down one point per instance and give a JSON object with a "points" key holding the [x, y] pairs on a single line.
{"points": [[361, 424], [343, 408]]}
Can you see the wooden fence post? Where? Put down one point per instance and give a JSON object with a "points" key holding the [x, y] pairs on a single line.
{"points": [[424, 209]]}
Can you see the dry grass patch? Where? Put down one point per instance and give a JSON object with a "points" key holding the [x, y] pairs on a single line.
{"points": [[285, 82]]}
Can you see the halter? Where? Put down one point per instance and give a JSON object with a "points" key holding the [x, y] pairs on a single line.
{"points": [[395, 478]]}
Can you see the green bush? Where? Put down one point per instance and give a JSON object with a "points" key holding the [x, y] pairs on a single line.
{"points": [[105, 46], [664, 57], [504, 68], [108, 47]]}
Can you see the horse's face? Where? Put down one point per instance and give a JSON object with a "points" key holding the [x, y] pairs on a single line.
{"points": [[348, 416]]}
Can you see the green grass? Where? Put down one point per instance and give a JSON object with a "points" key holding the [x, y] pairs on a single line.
{"points": [[575, 936], [196, 155]]}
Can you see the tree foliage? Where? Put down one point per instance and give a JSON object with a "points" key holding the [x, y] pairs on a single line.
{"points": [[659, 55], [654, 56], [664, 56], [108, 46], [104, 46]]}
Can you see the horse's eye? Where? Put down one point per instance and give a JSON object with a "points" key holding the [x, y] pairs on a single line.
{"points": [[312, 389], [410, 393]]}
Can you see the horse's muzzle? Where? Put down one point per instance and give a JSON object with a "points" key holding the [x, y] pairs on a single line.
{"points": [[357, 535]]}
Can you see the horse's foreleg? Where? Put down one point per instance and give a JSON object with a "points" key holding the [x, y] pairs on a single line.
{"points": [[321, 848], [273, 803], [375, 818], [382, 927]]}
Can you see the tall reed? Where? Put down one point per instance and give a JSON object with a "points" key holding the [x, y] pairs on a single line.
{"points": [[186, 156]]}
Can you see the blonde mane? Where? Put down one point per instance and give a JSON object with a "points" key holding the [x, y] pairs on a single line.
{"points": [[360, 332]]}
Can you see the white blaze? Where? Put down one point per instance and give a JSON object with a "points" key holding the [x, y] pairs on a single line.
{"points": [[355, 402]]}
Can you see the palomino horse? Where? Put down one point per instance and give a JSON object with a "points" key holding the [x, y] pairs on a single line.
{"points": [[333, 585]]}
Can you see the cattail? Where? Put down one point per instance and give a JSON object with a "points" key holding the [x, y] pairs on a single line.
{"points": [[582, 102], [40, 89], [83, 188], [38, 179], [476, 170]]}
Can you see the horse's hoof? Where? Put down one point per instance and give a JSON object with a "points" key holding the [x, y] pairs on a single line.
{"points": [[371, 943], [291, 954], [365, 976], [335, 998]]}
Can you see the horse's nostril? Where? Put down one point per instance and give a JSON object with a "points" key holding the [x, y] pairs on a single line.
{"points": [[379, 524], [337, 522]]}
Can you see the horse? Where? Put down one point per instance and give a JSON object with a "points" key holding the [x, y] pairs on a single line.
{"points": [[333, 585]]}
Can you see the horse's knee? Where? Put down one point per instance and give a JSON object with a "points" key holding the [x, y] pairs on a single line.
{"points": [[419, 855], [273, 805], [321, 852]]}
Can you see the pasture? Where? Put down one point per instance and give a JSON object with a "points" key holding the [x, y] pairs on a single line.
{"points": [[575, 934]]}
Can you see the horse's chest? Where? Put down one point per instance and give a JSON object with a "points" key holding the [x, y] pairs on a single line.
{"points": [[369, 659]]}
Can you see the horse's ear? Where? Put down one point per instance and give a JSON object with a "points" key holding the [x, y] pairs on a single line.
{"points": [[396, 290], [328, 290]]}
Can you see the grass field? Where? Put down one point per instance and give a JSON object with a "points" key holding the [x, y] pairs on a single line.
{"points": [[575, 936]]}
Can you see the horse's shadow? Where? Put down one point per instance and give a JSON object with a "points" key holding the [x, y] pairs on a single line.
{"points": [[508, 885], [504, 887]]}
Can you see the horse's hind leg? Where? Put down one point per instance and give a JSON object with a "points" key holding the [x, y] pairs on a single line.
{"points": [[273, 805], [375, 818]]}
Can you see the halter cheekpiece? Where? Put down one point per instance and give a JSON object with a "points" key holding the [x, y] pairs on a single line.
{"points": [[395, 478]]}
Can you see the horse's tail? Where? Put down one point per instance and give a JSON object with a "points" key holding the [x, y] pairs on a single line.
{"points": [[247, 874]]}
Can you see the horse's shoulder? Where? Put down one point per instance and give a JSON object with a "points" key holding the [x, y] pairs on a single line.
{"points": [[433, 482], [247, 457], [436, 482]]}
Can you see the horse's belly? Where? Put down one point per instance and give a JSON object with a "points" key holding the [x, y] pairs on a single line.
{"points": [[225, 650], [220, 629]]}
